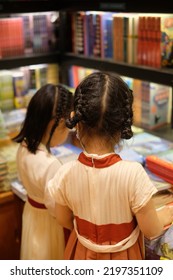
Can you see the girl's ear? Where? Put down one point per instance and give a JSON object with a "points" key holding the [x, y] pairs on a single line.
{"points": [[72, 114]]}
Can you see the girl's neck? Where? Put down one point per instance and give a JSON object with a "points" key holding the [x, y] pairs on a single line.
{"points": [[98, 147]]}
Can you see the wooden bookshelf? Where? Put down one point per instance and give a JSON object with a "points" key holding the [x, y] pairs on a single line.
{"points": [[11, 208], [30, 59], [65, 58]]}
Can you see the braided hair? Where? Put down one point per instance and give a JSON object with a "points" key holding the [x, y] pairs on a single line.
{"points": [[103, 104], [49, 102]]}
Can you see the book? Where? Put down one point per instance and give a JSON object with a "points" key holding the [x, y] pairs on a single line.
{"points": [[159, 183], [78, 32], [73, 76], [155, 100], [106, 35], [146, 144], [19, 89], [161, 164], [130, 155], [28, 33], [137, 103], [53, 73], [117, 37], [41, 32], [6, 90], [11, 34], [66, 152], [77, 74], [167, 40]]}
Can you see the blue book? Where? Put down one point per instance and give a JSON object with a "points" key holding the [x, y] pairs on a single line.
{"points": [[146, 144], [107, 23]]}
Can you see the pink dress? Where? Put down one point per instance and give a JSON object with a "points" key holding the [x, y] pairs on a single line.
{"points": [[104, 193]]}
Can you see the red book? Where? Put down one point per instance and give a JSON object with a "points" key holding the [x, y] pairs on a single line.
{"points": [[162, 165]]}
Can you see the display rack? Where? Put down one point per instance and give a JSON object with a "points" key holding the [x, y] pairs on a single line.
{"points": [[65, 58]]}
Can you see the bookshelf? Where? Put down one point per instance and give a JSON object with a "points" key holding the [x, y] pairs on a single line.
{"points": [[65, 58]]}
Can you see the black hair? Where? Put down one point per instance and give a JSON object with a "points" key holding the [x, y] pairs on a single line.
{"points": [[49, 102], [103, 104]]}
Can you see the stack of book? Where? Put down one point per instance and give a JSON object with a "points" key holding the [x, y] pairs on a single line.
{"points": [[161, 164], [4, 182], [160, 184], [8, 152]]}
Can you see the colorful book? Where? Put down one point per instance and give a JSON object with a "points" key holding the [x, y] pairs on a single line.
{"points": [[155, 103], [167, 40]]}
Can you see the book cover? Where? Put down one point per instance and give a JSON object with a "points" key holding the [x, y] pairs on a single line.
{"points": [[130, 155], [89, 33], [97, 35], [140, 46], [158, 36], [28, 33], [19, 89], [106, 35], [78, 32], [155, 104], [137, 103], [161, 164], [167, 40], [118, 37], [53, 73], [148, 144]]}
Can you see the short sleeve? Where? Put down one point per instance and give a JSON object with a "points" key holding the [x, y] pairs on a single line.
{"points": [[143, 189]]}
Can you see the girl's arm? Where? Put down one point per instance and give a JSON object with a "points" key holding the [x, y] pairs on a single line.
{"points": [[152, 222]]}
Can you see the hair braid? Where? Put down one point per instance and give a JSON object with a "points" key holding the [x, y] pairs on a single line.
{"points": [[63, 106]]}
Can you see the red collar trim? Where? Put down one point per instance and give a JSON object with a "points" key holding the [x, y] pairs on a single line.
{"points": [[99, 163]]}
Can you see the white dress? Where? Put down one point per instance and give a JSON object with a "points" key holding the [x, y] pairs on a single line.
{"points": [[42, 237], [104, 193]]}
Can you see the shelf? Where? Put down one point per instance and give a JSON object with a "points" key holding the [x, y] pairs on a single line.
{"points": [[7, 7], [163, 76], [6, 197], [73, 5], [14, 62]]}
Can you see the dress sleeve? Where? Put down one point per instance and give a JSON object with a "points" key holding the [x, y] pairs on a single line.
{"points": [[143, 189]]}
